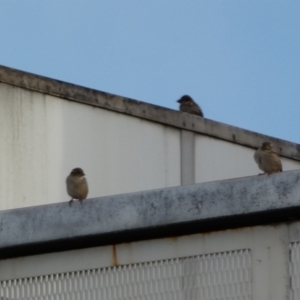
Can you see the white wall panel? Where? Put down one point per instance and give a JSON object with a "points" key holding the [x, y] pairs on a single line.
{"points": [[294, 268], [225, 257], [215, 276], [43, 137], [217, 160]]}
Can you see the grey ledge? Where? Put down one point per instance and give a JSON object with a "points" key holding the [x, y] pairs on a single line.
{"points": [[144, 110], [172, 211]]}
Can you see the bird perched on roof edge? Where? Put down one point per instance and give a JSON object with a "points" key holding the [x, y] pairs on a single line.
{"points": [[187, 104], [267, 159], [77, 186]]}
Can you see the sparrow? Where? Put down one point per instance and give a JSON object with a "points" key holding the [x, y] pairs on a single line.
{"points": [[77, 186], [267, 159], [187, 104]]}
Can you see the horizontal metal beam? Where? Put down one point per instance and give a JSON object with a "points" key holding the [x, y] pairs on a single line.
{"points": [[159, 213]]}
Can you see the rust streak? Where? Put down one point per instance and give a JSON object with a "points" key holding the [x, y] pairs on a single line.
{"points": [[174, 238], [114, 256]]}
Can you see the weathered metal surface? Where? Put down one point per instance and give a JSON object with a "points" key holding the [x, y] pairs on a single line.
{"points": [[144, 110], [294, 270], [187, 143], [221, 275], [165, 212], [42, 138]]}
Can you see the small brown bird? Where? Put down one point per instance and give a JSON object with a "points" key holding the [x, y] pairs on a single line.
{"points": [[187, 104], [267, 159], [77, 186]]}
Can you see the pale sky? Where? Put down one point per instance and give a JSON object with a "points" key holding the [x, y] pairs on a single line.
{"points": [[240, 60]]}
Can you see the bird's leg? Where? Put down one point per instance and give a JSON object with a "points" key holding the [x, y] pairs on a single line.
{"points": [[80, 200], [70, 202]]}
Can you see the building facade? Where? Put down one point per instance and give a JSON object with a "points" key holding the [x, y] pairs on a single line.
{"points": [[175, 211]]}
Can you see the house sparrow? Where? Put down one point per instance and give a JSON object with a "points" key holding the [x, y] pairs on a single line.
{"points": [[77, 186], [187, 104], [267, 159]]}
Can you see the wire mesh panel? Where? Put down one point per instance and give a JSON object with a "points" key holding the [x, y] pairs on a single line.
{"points": [[294, 271], [215, 276]]}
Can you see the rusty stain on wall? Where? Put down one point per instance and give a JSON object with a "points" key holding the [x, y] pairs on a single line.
{"points": [[114, 256], [175, 238]]}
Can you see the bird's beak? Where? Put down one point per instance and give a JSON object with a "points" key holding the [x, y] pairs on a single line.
{"points": [[179, 101]]}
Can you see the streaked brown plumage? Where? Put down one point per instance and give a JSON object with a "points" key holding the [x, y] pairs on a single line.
{"points": [[77, 186], [187, 104], [267, 159]]}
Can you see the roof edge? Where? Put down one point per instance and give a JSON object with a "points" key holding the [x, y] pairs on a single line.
{"points": [[175, 211], [144, 110]]}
